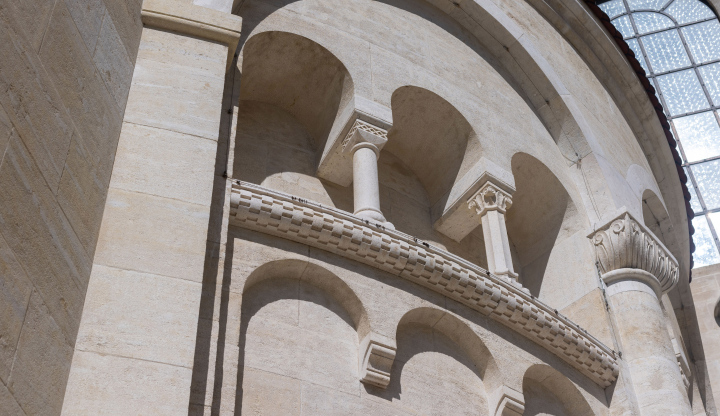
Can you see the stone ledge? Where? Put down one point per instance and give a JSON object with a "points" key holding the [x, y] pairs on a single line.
{"points": [[260, 209], [194, 20]]}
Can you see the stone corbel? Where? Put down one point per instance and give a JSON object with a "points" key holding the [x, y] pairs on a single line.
{"points": [[452, 216], [377, 360], [510, 402], [625, 243]]}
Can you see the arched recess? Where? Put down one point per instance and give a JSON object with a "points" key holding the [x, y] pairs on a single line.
{"points": [[441, 364], [432, 138], [548, 392], [657, 219], [299, 329], [291, 89], [542, 216]]}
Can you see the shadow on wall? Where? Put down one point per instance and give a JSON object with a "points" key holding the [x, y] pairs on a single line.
{"points": [[291, 91], [541, 216], [657, 219], [717, 312], [547, 392]]}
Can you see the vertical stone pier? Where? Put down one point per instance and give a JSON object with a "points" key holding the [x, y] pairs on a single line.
{"points": [[638, 269], [136, 341]]}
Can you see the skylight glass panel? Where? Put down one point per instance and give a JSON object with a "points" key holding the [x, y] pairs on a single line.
{"points": [[650, 22], [635, 46], [687, 11], [706, 251], [699, 135], [613, 8], [665, 51], [707, 175], [682, 92], [623, 25], [711, 78], [703, 40], [694, 201], [646, 4]]}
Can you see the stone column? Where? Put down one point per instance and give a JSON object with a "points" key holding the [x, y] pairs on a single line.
{"points": [[135, 348], [637, 269], [364, 142], [490, 203]]}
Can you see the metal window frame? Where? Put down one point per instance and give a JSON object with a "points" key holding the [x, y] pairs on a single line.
{"points": [[713, 107]]}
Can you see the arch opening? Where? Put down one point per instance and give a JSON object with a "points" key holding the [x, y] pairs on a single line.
{"points": [[291, 90], [299, 333], [656, 218], [542, 216], [432, 138], [548, 392]]}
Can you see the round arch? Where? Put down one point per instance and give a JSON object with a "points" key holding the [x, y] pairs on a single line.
{"points": [[432, 138], [547, 391], [318, 277]]}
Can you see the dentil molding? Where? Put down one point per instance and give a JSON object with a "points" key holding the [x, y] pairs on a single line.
{"points": [[260, 209]]}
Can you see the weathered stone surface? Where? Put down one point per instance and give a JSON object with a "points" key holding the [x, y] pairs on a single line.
{"points": [[42, 361], [156, 161], [30, 213], [137, 228], [135, 387], [186, 102], [15, 290], [112, 62], [33, 106], [8, 405], [126, 17], [88, 17], [149, 322]]}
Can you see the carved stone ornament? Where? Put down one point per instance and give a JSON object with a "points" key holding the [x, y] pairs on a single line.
{"points": [[490, 198], [364, 132], [377, 361], [259, 209], [511, 403], [624, 243]]}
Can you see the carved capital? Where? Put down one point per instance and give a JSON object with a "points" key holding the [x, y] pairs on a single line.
{"points": [[365, 134], [377, 361], [624, 243], [490, 197]]}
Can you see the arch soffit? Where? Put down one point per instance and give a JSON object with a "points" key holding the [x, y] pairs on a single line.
{"points": [[641, 182], [505, 40], [561, 386], [318, 277], [515, 51], [463, 336]]}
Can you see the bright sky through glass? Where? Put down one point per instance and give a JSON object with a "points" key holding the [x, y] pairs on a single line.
{"points": [[678, 44]]}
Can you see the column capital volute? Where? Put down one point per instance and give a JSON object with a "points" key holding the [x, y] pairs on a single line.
{"points": [[625, 243], [365, 135], [490, 197]]}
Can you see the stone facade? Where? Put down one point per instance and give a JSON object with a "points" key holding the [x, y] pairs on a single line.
{"points": [[352, 207]]}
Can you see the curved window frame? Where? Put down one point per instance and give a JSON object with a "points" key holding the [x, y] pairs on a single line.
{"points": [[699, 206]]}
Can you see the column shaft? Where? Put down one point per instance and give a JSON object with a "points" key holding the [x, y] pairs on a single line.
{"points": [[497, 245], [647, 348], [366, 187]]}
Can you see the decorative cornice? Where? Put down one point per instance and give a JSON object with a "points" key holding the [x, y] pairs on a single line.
{"points": [[490, 198], [624, 243], [260, 209]]}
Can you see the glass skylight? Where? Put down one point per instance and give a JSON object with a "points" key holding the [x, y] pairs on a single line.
{"points": [[678, 44]]}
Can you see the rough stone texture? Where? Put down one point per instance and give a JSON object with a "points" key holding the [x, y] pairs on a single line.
{"points": [[187, 311], [59, 126], [706, 295]]}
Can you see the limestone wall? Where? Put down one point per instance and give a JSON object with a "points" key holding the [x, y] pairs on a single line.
{"points": [[706, 295], [65, 72]]}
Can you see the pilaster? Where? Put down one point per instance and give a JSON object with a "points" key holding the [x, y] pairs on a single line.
{"points": [[136, 342]]}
